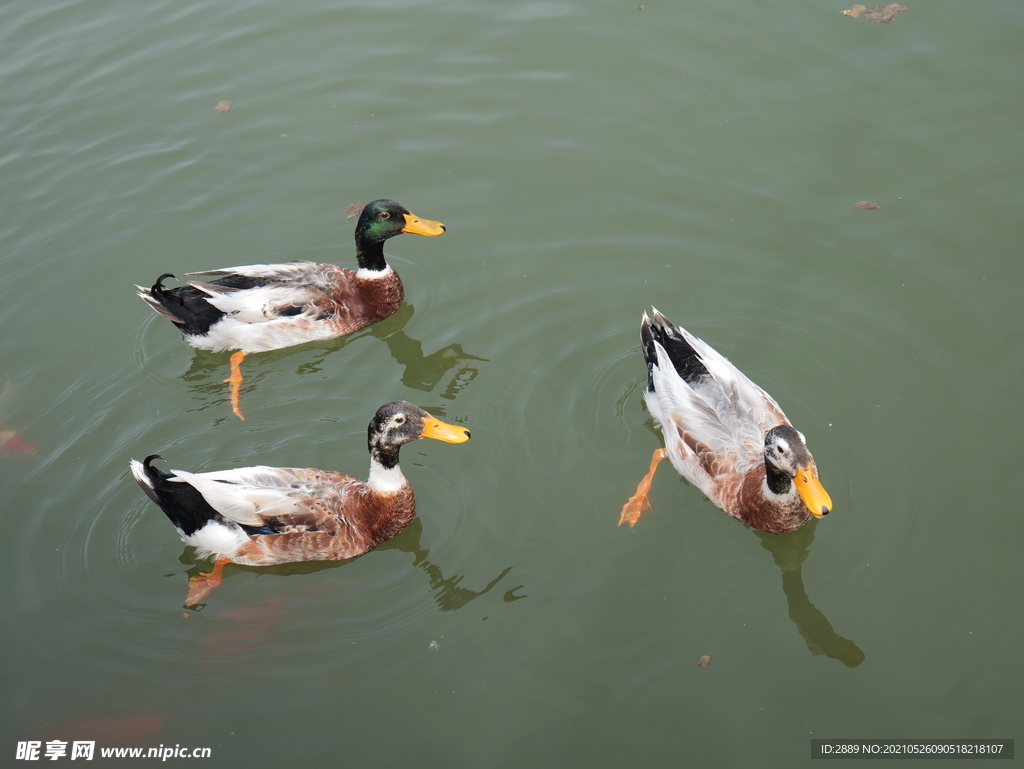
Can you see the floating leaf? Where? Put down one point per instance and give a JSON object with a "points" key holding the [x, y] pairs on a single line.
{"points": [[354, 209], [866, 205], [704, 661], [223, 106], [887, 14], [879, 13]]}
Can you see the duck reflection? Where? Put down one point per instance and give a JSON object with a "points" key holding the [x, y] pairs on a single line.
{"points": [[423, 372], [447, 592], [790, 551]]}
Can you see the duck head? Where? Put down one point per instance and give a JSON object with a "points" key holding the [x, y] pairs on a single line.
{"points": [[786, 461], [400, 422], [383, 219]]}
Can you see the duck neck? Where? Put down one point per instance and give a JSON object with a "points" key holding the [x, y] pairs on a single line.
{"points": [[370, 254], [385, 474], [778, 481]]}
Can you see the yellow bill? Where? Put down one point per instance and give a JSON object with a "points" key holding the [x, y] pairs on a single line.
{"points": [[812, 492], [442, 431], [419, 226]]}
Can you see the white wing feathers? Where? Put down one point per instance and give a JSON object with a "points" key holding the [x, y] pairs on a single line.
{"points": [[255, 305], [287, 271], [726, 411], [698, 411], [249, 495]]}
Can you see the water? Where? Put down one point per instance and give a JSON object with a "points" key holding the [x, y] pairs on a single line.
{"points": [[590, 160]]}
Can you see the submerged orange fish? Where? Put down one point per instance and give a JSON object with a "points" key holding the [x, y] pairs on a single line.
{"points": [[10, 441]]}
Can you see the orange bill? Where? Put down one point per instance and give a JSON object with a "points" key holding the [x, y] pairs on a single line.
{"points": [[811, 491], [419, 226], [442, 431]]}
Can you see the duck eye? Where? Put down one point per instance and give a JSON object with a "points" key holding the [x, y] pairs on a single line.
{"points": [[399, 420], [385, 215]]}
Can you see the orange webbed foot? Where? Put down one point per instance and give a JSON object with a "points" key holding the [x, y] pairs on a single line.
{"points": [[202, 585], [235, 381], [638, 502]]}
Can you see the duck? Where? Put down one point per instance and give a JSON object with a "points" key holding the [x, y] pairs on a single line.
{"points": [[725, 435], [261, 307], [264, 516]]}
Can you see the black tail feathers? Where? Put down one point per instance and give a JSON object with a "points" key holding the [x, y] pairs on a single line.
{"points": [[163, 295], [661, 331]]}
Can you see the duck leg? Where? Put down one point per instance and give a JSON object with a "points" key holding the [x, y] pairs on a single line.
{"points": [[235, 381], [202, 585], [639, 502]]}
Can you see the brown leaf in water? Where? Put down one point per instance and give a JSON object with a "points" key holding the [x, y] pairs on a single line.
{"points": [[878, 13], [887, 14], [704, 661], [866, 205], [354, 209], [223, 106]]}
